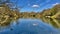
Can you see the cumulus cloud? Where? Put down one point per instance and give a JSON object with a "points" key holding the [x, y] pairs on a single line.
{"points": [[35, 6], [55, 4]]}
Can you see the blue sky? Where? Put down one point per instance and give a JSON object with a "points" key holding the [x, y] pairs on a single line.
{"points": [[35, 5]]}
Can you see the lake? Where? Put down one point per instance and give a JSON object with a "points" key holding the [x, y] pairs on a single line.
{"points": [[29, 26]]}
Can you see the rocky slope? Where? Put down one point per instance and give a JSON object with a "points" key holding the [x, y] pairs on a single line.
{"points": [[7, 15], [52, 12]]}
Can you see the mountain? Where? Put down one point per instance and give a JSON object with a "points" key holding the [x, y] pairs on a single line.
{"points": [[57, 15], [52, 12], [7, 15]]}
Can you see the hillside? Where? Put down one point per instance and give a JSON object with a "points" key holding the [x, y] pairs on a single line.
{"points": [[52, 12], [7, 15]]}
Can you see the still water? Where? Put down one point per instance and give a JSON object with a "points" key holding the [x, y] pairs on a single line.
{"points": [[29, 26]]}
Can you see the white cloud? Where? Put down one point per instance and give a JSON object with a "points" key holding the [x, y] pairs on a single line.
{"points": [[55, 4], [35, 6]]}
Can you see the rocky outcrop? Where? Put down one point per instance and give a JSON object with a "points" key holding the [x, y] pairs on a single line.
{"points": [[53, 12], [7, 15]]}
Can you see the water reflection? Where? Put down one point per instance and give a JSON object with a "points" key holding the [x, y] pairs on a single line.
{"points": [[6, 27], [29, 26], [54, 22]]}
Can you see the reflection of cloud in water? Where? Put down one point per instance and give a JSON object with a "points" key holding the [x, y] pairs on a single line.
{"points": [[35, 24], [30, 27]]}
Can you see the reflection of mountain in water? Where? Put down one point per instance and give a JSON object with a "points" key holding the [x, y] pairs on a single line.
{"points": [[53, 22], [29, 26]]}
